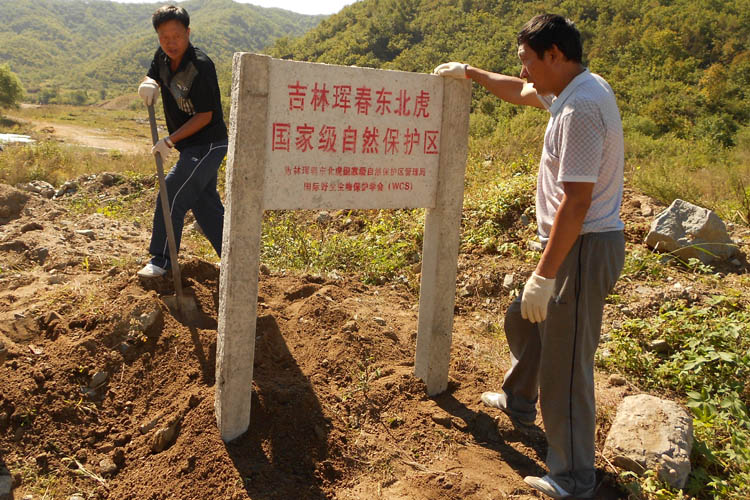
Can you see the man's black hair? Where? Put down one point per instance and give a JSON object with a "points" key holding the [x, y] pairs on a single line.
{"points": [[169, 13], [545, 30]]}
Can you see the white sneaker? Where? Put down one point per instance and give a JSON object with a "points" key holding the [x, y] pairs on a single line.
{"points": [[500, 401], [151, 271], [550, 488]]}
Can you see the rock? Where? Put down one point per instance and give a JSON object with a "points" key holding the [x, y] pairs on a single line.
{"points": [[67, 187], [107, 179], [264, 270], [38, 255], [323, 218], [88, 233], [525, 220], [508, 281], [107, 466], [647, 210], [379, 321], [12, 202], [43, 188], [98, 379], [442, 418], [460, 424], [616, 380], [350, 326], [31, 226], [659, 345], [652, 433], [534, 246], [77, 496], [148, 322], [689, 231], [164, 437], [57, 279]]}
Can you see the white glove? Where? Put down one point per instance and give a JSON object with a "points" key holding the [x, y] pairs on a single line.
{"points": [[149, 91], [535, 300], [454, 69], [162, 148]]}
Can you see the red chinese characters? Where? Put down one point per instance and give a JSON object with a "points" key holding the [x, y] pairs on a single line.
{"points": [[349, 140], [362, 101]]}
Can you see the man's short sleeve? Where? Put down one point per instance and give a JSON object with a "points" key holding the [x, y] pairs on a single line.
{"points": [[582, 145], [204, 90]]}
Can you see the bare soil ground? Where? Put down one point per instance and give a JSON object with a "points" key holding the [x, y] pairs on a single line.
{"points": [[98, 138], [99, 371]]}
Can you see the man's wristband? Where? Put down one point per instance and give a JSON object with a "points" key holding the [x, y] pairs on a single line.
{"points": [[169, 142]]}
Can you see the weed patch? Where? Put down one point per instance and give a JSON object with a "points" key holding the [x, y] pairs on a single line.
{"points": [[707, 365]]}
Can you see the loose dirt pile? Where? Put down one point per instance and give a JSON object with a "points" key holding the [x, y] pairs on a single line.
{"points": [[105, 393]]}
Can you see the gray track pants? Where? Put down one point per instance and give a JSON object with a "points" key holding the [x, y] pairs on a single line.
{"points": [[555, 359]]}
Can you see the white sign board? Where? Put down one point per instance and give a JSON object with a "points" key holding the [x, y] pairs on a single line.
{"points": [[346, 137]]}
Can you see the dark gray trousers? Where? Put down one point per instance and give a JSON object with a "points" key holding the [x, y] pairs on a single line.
{"points": [[554, 359]]}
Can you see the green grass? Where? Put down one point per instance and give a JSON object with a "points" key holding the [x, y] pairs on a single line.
{"points": [[700, 172], [56, 163], [707, 366], [377, 244]]}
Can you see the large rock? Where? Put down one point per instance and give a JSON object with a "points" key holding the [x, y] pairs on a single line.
{"points": [[652, 434], [690, 231], [12, 202]]}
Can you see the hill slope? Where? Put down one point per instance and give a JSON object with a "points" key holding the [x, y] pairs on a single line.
{"points": [[680, 66], [100, 45]]}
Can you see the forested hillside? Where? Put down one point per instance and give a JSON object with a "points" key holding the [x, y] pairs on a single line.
{"points": [[97, 48], [679, 66]]}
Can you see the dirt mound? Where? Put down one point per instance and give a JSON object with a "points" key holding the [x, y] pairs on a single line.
{"points": [[105, 392], [12, 202]]}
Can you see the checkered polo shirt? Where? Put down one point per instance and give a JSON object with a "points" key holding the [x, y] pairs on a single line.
{"points": [[583, 143]]}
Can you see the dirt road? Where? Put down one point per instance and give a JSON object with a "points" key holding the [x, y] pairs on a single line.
{"points": [[86, 136]]}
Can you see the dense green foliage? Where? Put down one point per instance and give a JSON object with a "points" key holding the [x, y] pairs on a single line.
{"points": [[76, 51], [678, 66], [680, 69], [11, 90]]}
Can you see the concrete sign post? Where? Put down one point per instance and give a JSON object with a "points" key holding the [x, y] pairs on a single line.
{"points": [[317, 136]]}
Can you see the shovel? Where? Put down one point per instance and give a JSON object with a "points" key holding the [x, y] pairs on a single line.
{"points": [[185, 305]]}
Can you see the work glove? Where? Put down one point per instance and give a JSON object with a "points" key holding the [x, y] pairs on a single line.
{"points": [[162, 148], [453, 69], [148, 90], [536, 295]]}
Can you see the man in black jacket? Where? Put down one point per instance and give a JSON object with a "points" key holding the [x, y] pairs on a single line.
{"points": [[186, 78]]}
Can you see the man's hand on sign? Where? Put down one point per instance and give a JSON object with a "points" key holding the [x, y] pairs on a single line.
{"points": [[148, 90], [161, 147], [536, 295], [453, 69]]}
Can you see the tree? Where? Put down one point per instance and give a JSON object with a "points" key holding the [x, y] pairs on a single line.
{"points": [[11, 90]]}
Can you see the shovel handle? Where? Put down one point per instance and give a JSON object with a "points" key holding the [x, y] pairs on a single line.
{"points": [[165, 211]]}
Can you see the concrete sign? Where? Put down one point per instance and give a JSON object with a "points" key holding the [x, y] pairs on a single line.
{"points": [[317, 136]]}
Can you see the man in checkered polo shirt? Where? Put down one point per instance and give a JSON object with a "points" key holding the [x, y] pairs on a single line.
{"points": [[553, 327]]}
